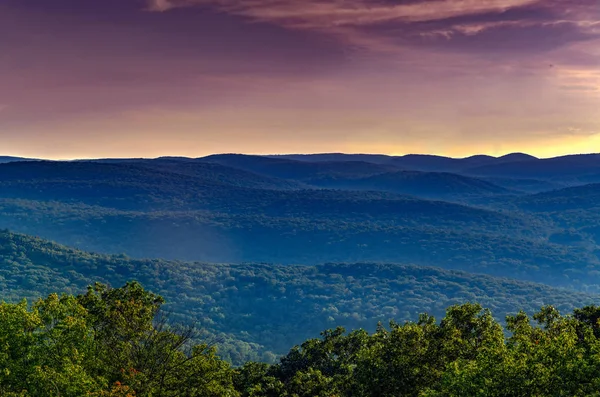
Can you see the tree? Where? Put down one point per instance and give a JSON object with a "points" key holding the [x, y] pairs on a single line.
{"points": [[108, 342]]}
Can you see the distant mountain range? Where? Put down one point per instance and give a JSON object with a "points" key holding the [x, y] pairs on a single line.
{"points": [[361, 175], [10, 159], [570, 168], [513, 172], [328, 239], [236, 208], [419, 162]]}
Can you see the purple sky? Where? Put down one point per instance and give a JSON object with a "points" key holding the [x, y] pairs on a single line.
{"points": [[113, 78]]}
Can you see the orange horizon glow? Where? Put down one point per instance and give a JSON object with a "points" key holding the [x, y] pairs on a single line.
{"points": [[158, 153]]}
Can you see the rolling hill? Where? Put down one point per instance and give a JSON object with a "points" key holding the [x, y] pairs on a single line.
{"points": [[416, 162], [259, 308], [219, 173], [525, 185], [336, 157], [316, 239], [578, 197], [565, 168], [517, 172], [211, 212], [11, 159], [299, 170], [360, 174], [435, 185]]}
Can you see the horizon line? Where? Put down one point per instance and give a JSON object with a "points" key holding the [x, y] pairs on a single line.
{"points": [[287, 154]]}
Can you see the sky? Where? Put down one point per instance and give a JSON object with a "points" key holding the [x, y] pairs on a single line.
{"points": [[147, 78]]}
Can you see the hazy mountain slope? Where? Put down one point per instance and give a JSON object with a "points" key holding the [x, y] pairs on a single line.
{"points": [[514, 157], [420, 162], [274, 306], [574, 211], [123, 186], [11, 159], [558, 168], [571, 198], [131, 187], [525, 185], [148, 212], [422, 184], [137, 172], [336, 157], [220, 173], [510, 250], [446, 164], [299, 170], [361, 175]]}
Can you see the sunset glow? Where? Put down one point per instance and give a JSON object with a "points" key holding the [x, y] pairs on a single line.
{"points": [[116, 78]]}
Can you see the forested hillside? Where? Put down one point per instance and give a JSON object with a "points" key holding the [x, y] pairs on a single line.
{"points": [[264, 253], [263, 308], [117, 342], [198, 210]]}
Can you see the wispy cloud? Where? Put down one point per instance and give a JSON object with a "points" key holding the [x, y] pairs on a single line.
{"points": [[160, 5], [384, 25], [325, 14]]}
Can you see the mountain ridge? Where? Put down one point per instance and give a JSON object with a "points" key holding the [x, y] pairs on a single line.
{"points": [[261, 308]]}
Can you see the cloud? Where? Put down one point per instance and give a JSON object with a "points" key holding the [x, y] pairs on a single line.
{"points": [[579, 87], [160, 5], [325, 14], [383, 25]]}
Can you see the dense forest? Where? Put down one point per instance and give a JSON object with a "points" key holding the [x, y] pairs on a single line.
{"points": [[254, 255], [258, 311], [450, 213], [116, 342]]}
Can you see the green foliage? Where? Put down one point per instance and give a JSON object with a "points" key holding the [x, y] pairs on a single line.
{"points": [[465, 354], [256, 312], [108, 342], [115, 343]]}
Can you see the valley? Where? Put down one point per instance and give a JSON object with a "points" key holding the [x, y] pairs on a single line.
{"points": [[265, 252]]}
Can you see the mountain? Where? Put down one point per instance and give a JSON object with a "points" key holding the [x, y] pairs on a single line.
{"points": [[583, 197], [417, 162], [436, 185], [10, 159], [360, 175], [219, 173], [208, 212], [422, 162], [336, 157], [515, 157], [574, 212], [448, 164], [133, 185], [564, 168], [526, 185], [304, 171], [257, 308], [485, 243]]}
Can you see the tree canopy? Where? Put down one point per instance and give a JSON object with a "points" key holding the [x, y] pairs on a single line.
{"points": [[117, 342]]}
